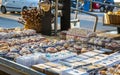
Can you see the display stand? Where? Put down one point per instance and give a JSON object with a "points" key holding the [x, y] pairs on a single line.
{"points": [[13, 68]]}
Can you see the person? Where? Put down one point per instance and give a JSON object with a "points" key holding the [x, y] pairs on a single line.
{"points": [[108, 7]]}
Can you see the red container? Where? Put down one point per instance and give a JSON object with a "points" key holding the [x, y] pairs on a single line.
{"points": [[96, 6]]}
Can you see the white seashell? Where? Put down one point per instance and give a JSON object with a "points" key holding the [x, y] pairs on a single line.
{"points": [[51, 50], [24, 52], [15, 48], [18, 29], [1, 29], [3, 51], [12, 55]]}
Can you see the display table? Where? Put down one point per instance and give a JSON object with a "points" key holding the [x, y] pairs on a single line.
{"points": [[13, 68], [26, 48]]}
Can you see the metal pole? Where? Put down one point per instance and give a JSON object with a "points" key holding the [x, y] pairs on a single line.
{"points": [[91, 9], [56, 17], [76, 12]]}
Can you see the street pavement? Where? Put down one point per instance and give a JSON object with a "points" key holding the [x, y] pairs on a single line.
{"points": [[87, 21], [11, 20]]}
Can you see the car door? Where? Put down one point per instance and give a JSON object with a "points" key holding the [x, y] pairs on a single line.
{"points": [[8, 4], [12, 5], [17, 5]]}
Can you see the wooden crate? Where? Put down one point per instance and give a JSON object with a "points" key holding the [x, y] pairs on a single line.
{"points": [[114, 19]]}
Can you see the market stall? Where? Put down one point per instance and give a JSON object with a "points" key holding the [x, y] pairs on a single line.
{"points": [[26, 52], [21, 50]]}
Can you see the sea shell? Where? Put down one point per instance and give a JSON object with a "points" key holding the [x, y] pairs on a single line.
{"points": [[84, 50], [92, 40], [2, 52], [77, 47], [3, 35], [91, 34], [18, 29], [51, 50], [12, 55], [71, 49], [66, 45], [2, 29], [15, 49], [59, 48], [29, 32], [25, 50], [34, 46], [37, 50]]}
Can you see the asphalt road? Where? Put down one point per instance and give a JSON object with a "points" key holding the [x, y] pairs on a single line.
{"points": [[11, 20], [87, 21]]}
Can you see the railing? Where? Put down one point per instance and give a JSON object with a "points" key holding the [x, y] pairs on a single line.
{"points": [[96, 17]]}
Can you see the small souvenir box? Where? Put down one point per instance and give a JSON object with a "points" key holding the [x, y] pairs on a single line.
{"points": [[83, 56], [50, 68], [99, 51], [40, 67], [91, 60], [90, 68], [74, 64], [105, 63], [74, 72], [73, 59], [91, 54], [59, 67]]}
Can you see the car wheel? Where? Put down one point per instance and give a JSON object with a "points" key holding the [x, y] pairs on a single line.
{"points": [[3, 10], [102, 9], [24, 8], [18, 12], [12, 12]]}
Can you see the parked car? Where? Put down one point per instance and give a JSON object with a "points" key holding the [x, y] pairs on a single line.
{"points": [[74, 3], [106, 8], [17, 5]]}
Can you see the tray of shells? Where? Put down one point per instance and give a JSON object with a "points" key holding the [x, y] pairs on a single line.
{"points": [[15, 33], [34, 44], [28, 42]]}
